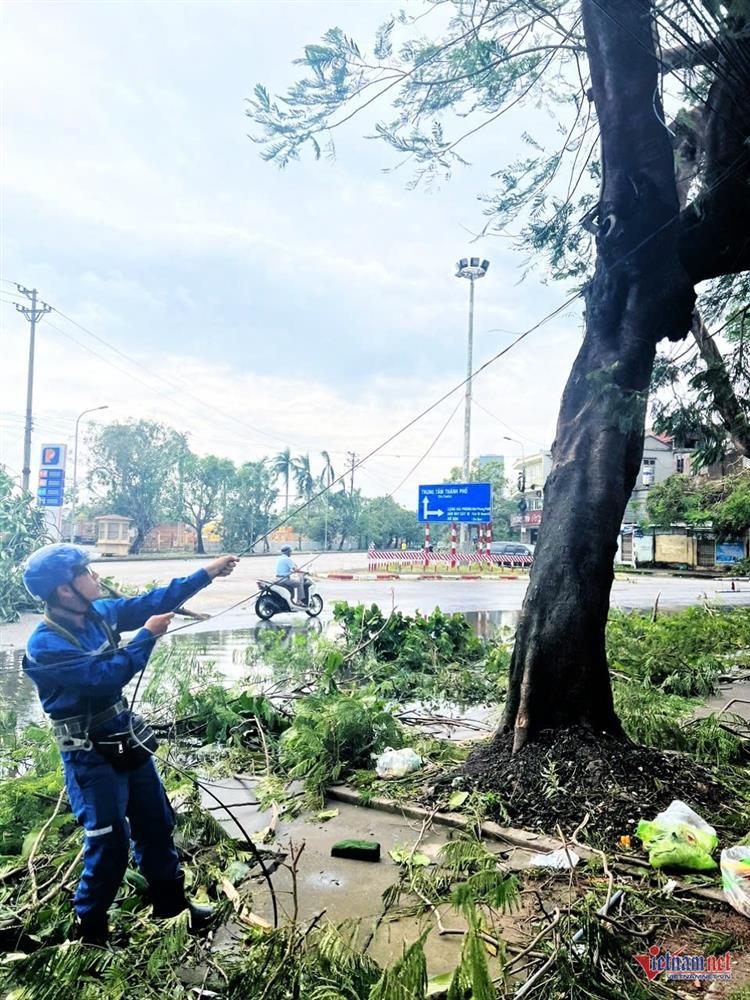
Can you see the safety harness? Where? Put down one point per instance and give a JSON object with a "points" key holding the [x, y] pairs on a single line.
{"points": [[73, 733]]}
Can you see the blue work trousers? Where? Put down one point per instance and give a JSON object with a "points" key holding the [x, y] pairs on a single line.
{"points": [[114, 807]]}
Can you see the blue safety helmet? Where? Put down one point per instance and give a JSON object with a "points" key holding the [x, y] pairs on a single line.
{"points": [[51, 566], [286, 549]]}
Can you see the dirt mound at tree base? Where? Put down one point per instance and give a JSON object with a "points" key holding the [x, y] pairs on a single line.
{"points": [[567, 773]]}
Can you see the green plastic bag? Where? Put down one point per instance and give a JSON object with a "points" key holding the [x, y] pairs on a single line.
{"points": [[679, 838]]}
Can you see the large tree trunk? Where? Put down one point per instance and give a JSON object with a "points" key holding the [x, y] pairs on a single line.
{"points": [[639, 294], [199, 539]]}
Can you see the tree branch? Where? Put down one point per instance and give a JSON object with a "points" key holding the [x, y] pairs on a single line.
{"points": [[689, 56], [727, 405], [715, 228]]}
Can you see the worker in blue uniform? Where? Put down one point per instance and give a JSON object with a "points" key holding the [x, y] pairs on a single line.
{"points": [[80, 668]]}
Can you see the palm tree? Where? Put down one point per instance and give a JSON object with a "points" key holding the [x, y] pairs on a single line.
{"points": [[303, 476], [327, 478], [305, 485], [283, 466]]}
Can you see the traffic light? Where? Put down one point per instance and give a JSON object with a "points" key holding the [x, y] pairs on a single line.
{"points": [[522, 505], [522, 481]]}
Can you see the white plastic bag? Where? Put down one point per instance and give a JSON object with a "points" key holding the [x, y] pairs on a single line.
{"points": [[397, 763], [564, 858], [735, 878]]}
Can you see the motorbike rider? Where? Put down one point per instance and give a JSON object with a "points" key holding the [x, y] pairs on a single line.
{"points": [[296, 585], [79, 666]]}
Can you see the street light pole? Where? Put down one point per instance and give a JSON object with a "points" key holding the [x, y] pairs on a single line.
{"points": [[469, 370], [472, 269], [75, 471]]}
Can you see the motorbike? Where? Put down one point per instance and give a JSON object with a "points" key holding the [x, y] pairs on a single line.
{"points": [[275, 599]]}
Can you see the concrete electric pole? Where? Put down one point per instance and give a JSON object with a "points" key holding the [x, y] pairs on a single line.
{"points": [[32, 314], [352, 463]]}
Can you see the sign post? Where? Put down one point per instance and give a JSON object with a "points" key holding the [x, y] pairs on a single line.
{"points": [[51, 488]]}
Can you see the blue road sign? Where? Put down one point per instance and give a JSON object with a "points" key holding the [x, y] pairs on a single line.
{"points": [[470, 503]]}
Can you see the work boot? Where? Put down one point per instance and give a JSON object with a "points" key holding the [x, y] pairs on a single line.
{"points": [[168, 899], [91, 928]]}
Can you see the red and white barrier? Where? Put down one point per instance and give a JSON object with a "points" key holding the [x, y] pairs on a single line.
{"points": [[377, 558]]}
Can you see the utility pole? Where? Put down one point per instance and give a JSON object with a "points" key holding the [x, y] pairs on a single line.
{"points": [[352, 462], [32, 314]]}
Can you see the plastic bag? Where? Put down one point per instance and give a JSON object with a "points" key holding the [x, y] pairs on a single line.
{"points": [[564, 858], [735, 877], [679, 838], [397, 763]]}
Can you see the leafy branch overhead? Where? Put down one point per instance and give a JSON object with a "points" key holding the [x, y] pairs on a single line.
{"points": [[427, 96]]}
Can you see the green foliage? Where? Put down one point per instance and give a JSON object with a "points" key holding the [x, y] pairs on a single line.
{"points": [[674, 501], [681, 653], [667, 722], [31, 780], [706, 402], [335, 734], [503, 508], [409, 640], [247, 511], [201, 490], [729, 508], [22, 530], [134, 470], [423, 657]]}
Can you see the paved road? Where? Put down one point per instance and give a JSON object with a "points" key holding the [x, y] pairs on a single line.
{"points": [[483, 596]]}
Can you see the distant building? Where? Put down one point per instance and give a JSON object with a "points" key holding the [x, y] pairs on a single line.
{"points": [[531, 473], [113, 533], [170, 537], [660, 461]]}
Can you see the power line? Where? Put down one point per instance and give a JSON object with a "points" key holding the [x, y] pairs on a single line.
{"points": [[170, 383], [435, 440], [507, 426], [180, 387]]}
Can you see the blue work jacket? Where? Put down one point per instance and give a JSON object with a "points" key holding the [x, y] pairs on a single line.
{"points": [[71, 681]]}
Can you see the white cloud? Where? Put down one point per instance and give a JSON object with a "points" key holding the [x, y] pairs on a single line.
{"points": [[317, 303]]}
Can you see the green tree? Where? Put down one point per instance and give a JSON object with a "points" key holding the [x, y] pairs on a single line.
{"points": [[22, 529], [340, 522], [706, 402], [303, 477], [673, 501], [609, 220], [283, 467], [204, 484], [134, 470], [503, 508], [249, 504], [326, 480], [727, 504], [384, 521]]}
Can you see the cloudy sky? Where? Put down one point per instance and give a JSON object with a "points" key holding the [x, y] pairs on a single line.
{"points": [[253, 308]]}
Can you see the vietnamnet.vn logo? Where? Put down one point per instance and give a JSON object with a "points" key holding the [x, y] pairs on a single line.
{"points": [[678, 965]]}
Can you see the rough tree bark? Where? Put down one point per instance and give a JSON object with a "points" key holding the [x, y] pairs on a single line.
{"points": [[649, 257], [639, 293]]}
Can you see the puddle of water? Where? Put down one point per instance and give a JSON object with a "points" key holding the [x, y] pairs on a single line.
{"points": [[226, 650]]}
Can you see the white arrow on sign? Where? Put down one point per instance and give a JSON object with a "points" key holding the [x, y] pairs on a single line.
{"points": [[430, 513]]}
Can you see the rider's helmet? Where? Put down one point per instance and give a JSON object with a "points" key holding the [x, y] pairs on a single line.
{"points": [[286, 549], [51, 566]]}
